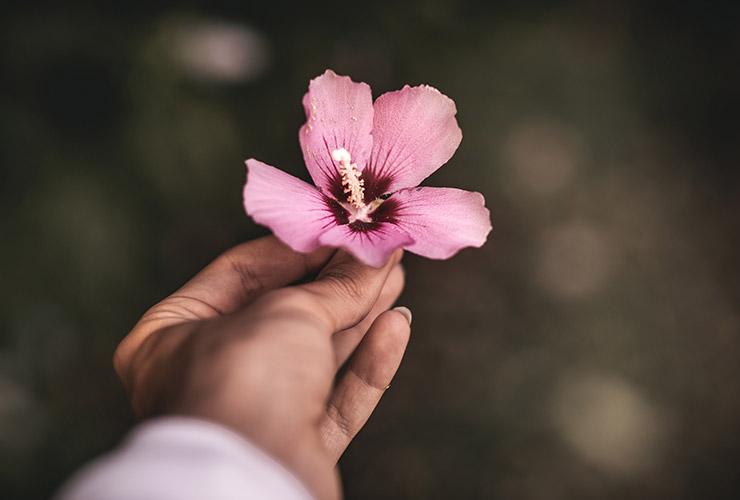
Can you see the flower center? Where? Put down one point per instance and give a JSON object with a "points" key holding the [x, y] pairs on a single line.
{"points": [[354, 187], [351, 181]]}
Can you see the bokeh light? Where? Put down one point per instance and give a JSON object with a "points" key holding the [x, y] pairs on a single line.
{"points": [[608, 423], [218, 51]]}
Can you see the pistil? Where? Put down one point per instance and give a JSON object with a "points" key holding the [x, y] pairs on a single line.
{"points": [[351, 178], [354, 187]]}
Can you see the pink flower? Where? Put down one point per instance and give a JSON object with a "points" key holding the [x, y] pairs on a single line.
{"points": [[366, 160]]}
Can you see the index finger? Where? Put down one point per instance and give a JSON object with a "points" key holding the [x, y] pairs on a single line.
{"points": [[241, 274], [230, 282]]}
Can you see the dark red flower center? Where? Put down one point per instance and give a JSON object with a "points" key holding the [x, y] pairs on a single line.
{"points": [[360, 199]]}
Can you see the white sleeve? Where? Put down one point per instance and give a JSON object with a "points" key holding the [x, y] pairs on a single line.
{"points": [[178, 458]]}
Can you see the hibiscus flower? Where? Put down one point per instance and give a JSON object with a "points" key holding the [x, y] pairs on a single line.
{"points": [[366, 160]]}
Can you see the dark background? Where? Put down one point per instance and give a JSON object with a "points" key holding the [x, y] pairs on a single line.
{"points": [[589, 350]]}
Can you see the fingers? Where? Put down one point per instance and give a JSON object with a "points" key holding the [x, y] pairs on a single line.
{"points": [[233, 280], [368, 374], [242, 273], [340, 297], [346, 341]]}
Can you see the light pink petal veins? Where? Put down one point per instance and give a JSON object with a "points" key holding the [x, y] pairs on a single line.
{"points": [[295, 211], [339, 114], [414, 133], [373, 248], [442, 221]]}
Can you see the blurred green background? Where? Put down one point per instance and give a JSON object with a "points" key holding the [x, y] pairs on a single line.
{"points": [[590, 350]]}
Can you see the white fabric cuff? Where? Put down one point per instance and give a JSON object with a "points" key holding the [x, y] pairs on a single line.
{"points": [[184, 458]]}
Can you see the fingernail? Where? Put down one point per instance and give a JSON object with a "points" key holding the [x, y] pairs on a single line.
{"points": [[405, 311]]}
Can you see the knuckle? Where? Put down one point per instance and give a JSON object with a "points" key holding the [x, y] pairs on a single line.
{"points": [[345, 282], [300, 304], [250, 280], [291, 298], [120, 359], [341, 421]]}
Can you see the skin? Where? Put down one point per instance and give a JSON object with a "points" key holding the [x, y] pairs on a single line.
{"points": [[240, 346]]}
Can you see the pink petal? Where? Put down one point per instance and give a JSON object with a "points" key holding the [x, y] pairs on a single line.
{"points": [[339, 114], [442, 220], [296, 211], [414, 133], [372, 247]]}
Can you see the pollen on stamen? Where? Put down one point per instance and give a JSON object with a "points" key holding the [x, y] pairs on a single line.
{"points": [[351, 178]]}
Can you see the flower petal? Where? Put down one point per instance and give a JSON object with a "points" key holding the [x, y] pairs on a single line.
{"points": [[442, 221], [373, 247], [296, 211], [414, 133], [339, 114]]}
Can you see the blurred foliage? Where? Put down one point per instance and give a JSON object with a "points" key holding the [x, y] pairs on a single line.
{"points": [[588, 351]]}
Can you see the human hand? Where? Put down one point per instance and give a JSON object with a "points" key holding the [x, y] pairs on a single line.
{"points": [[238, 346]]}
